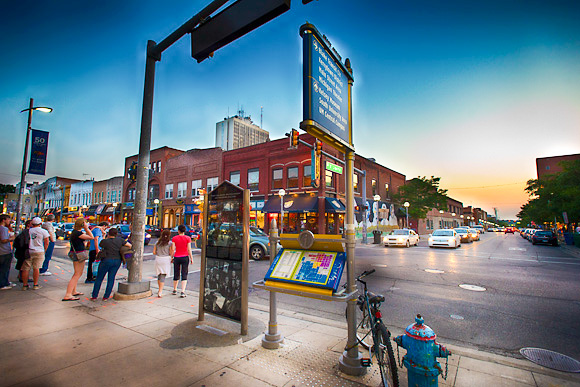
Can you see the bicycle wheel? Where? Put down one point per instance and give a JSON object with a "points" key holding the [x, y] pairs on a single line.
{"points": [[386, 357]]}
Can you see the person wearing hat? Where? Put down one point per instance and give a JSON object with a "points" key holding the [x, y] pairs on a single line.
{"points": [[39, 239]]}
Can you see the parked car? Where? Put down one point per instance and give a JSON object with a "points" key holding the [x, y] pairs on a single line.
{"points": [[444, 238], [153, 230], [545, 237], [259, 242], [193, 233], [509, 230], [401, 238], [64, 230], [124, 231], [474, 233], [480, 228], [464, 234], [530, 234]]}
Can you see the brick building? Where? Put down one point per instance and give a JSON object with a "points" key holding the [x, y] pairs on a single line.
{"points": [[268, 167], [158, 161], [551, 165], [186, 176]]}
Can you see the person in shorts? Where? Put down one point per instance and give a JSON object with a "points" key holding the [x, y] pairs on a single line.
{"points": [[5, 251], [78, 255], [39, 239]]}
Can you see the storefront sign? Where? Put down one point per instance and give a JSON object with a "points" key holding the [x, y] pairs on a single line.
{"points": [[333, 168]]}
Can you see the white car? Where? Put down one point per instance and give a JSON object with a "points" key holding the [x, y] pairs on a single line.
{"points": [[444, 238], [480, 228], [401, 238]]}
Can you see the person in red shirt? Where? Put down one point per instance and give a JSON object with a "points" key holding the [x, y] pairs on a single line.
{"points": [[181, 258]]}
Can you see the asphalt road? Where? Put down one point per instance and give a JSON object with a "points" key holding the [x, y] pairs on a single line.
{"points": [[531, 297]]}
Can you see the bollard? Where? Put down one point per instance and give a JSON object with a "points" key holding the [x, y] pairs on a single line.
{"points": [[423, 369]]}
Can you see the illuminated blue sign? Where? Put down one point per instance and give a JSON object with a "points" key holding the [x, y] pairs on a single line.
{"points": [[325, 86]]}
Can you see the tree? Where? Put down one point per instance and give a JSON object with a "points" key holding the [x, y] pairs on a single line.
{"points": [[553, 195], [423, 195], [7, 188]]}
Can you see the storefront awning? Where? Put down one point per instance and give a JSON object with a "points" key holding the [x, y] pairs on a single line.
{"points": [[296, 204], [91, 210], [110, 209], [100, 209], [334, 205]]}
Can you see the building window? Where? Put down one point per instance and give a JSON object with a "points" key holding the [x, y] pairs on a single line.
{"points": [[307, 179], [277, 178], [293, 177], [374, 186], [168, 191], [159, 166], [235, 177], [182, 189], [195, 187], [212, 182], [329, 179], [387, 190], [355, 181], [253, 179], [154, 191]]}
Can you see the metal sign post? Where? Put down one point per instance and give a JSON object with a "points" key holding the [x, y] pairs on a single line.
{"points": [[327, 115]]}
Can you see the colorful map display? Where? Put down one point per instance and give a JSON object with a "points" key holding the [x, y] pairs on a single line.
{"points": [[321, 269]]}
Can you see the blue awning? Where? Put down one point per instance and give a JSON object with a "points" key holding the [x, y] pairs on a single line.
{"points": [[295, 204], [334, 205]]}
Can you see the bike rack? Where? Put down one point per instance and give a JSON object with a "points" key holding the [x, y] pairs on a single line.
{"points": [[340, 296]]}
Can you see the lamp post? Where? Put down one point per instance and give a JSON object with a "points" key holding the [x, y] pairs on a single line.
{"points": [[114, 210], [156, 201], [453, 215], [30, 109], [442, 212], [281, 193], [406, 205], [461, 216]]}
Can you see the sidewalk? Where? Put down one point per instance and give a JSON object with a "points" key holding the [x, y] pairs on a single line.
{"points": [[159, 342]]}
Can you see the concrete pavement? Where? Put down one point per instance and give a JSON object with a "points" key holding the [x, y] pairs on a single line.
{"points": [[158, 341]]}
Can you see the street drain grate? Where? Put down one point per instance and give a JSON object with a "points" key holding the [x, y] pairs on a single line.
{"points": [[551, 359], [474, 288]]}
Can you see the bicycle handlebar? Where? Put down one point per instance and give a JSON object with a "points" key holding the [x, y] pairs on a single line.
{"points": [[364, 274]]}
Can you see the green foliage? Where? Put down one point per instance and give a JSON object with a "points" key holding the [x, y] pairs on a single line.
{"points": [[552, 195], [7, 188], [423, 195]]}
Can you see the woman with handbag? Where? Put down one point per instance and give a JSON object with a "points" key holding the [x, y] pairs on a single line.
{"points": [[78, 254], [162, 251], [181, 257], [111, 259]]}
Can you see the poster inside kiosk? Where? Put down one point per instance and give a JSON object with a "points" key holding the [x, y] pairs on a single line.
{"points": [[312, 271]]}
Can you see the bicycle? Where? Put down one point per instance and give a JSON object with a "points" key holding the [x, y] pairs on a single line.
{"points": [[373, 335]]}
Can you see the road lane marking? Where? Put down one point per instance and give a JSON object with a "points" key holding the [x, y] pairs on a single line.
{"points": [[473, 288]]}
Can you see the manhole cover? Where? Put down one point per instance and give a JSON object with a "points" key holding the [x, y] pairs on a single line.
{"points": [[434, 271], [551, 359], [474, 288], [456, 316]]}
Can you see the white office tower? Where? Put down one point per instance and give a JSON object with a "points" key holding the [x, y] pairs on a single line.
{"points": [[238, 132]]}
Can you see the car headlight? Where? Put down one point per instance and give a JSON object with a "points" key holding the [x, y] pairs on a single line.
{"points": [[400, 239], [430, 239], [147, 235], [385, 239]]}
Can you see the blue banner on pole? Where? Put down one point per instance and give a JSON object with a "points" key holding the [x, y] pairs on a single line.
{"points": [[38, 152]]}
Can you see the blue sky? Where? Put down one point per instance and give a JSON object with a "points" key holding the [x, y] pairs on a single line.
{"points": [[470, 91]]}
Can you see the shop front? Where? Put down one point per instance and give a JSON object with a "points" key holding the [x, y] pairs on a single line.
{"points": [[257, 215], [90, 213], [193, 215], [300, 213]]}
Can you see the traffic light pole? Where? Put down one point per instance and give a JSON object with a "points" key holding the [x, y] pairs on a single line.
{"points": [[135, 288]]}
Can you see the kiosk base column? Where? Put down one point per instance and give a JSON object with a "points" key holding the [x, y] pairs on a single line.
{"points": [[351, 365]]}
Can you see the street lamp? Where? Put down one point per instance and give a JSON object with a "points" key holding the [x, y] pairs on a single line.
{"points": [[114, 211], [453, 215], [281, 193], [156, 201], [30, 109], [441, 212], [406, 205]]}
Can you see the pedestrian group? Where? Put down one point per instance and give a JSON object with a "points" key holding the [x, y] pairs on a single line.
{"points": [[100, 246]]}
